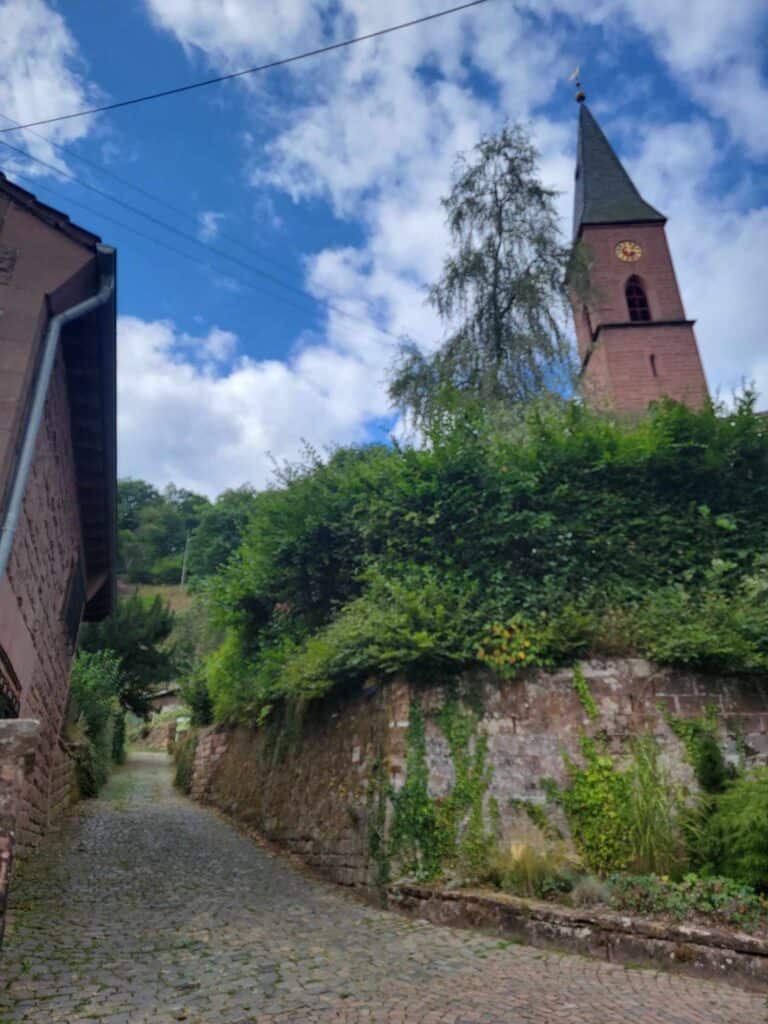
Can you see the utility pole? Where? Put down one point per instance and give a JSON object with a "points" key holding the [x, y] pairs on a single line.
{"points": [[184, 562]]}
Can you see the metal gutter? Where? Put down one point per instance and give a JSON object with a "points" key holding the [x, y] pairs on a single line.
{"points": [[106, 261]]}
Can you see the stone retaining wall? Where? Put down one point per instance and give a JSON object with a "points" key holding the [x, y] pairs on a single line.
{"points": [[310, 787], [306, 790], [63, 791], [735, 957]]}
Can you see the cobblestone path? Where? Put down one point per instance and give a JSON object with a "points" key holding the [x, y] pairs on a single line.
{"points": [[148, 908]]}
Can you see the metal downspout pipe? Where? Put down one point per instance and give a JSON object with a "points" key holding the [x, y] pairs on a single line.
{"points": [[37, 408]]}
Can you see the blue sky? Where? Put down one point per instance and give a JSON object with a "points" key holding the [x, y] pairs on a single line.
{"points": [[327, 176]]}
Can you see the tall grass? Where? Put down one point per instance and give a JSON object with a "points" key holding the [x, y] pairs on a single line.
{"points": [[655, 812]]}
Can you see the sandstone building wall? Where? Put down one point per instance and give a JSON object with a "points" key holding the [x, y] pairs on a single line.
{"points": [[33, 599], [618, 368]]}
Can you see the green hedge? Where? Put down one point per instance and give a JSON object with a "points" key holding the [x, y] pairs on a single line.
{"points": [[575, 532]]}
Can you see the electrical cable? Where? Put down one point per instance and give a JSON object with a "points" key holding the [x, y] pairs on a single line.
{"points": [[70, 152], [196, 241], [226, 275], [249, 71]]}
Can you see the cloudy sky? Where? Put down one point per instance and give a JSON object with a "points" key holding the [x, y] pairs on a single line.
{"points": [[288, 224]]}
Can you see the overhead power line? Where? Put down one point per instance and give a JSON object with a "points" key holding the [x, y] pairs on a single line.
{"points": [[187, 214], [208, 264], [282, 62], [198, 242]]}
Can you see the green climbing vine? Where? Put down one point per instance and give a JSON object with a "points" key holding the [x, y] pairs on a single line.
{"points": [[581, 686], [462, 810], [536, 812], [699, 737], [430, 833], [417, 837], [378, 794], [596, 804]]}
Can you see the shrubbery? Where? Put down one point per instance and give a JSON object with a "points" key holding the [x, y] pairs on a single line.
{"points": [[721, 899], [526, 543], [735, 835], [186, 747], [95, 685], [530, 543]]}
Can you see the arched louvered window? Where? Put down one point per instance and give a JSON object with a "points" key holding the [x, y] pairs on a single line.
{"points": [[637, 300]]}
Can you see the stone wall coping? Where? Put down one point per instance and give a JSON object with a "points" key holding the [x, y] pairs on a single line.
{"points": [[735, 957], [608, 920]]}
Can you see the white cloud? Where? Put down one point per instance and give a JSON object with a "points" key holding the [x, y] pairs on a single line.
{"points": [[374, 132], [210, 427], [232, 33], [41, 75], [714, 47], [209, 224]]}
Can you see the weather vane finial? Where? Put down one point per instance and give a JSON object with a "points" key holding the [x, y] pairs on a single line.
{"points": [[575, 77]]}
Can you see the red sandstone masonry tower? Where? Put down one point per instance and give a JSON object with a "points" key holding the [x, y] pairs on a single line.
{"points": [[635, 343]]}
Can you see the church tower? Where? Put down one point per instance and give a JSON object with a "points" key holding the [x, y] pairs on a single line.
{"points": [[635, 343]]}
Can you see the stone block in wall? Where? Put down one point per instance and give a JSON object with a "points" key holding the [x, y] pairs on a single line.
{"points": [[18, 743]]}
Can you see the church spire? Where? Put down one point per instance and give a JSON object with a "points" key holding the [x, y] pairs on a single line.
{"points": [[605, 193]]}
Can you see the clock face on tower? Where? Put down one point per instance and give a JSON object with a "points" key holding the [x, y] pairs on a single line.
{"points": [[628, 252]]}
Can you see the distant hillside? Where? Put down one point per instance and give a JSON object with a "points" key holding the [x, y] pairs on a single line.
{"points": [[165, 535], [175, 596]]}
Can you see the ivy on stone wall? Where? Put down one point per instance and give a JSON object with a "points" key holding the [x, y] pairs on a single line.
{"points": [[416, 838], [430, 834], [378, 795], [581, 686], [595, 805], [699, 737]]}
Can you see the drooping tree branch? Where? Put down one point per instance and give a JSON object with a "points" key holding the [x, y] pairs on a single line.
{"points": [[502, 294]]}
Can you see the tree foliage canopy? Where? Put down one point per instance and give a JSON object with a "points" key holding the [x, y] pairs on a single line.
{"points": [[135, 635], [502, 292], [155, 528], [219, 531]]}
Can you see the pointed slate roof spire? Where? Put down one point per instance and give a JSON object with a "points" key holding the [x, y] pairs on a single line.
{"points": [[604, 191]]}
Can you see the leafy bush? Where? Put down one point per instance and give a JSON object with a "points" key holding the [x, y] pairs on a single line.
{"points": [[715, 628], [136, 633], [624, 818], [416, 623], [596, 804], [194, 690], [184, 755], [737, 830], [95, 684], [541, 642], [721, 899]]}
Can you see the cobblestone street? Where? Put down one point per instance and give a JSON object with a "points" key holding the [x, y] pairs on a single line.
{"points": [[148, 908]]}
